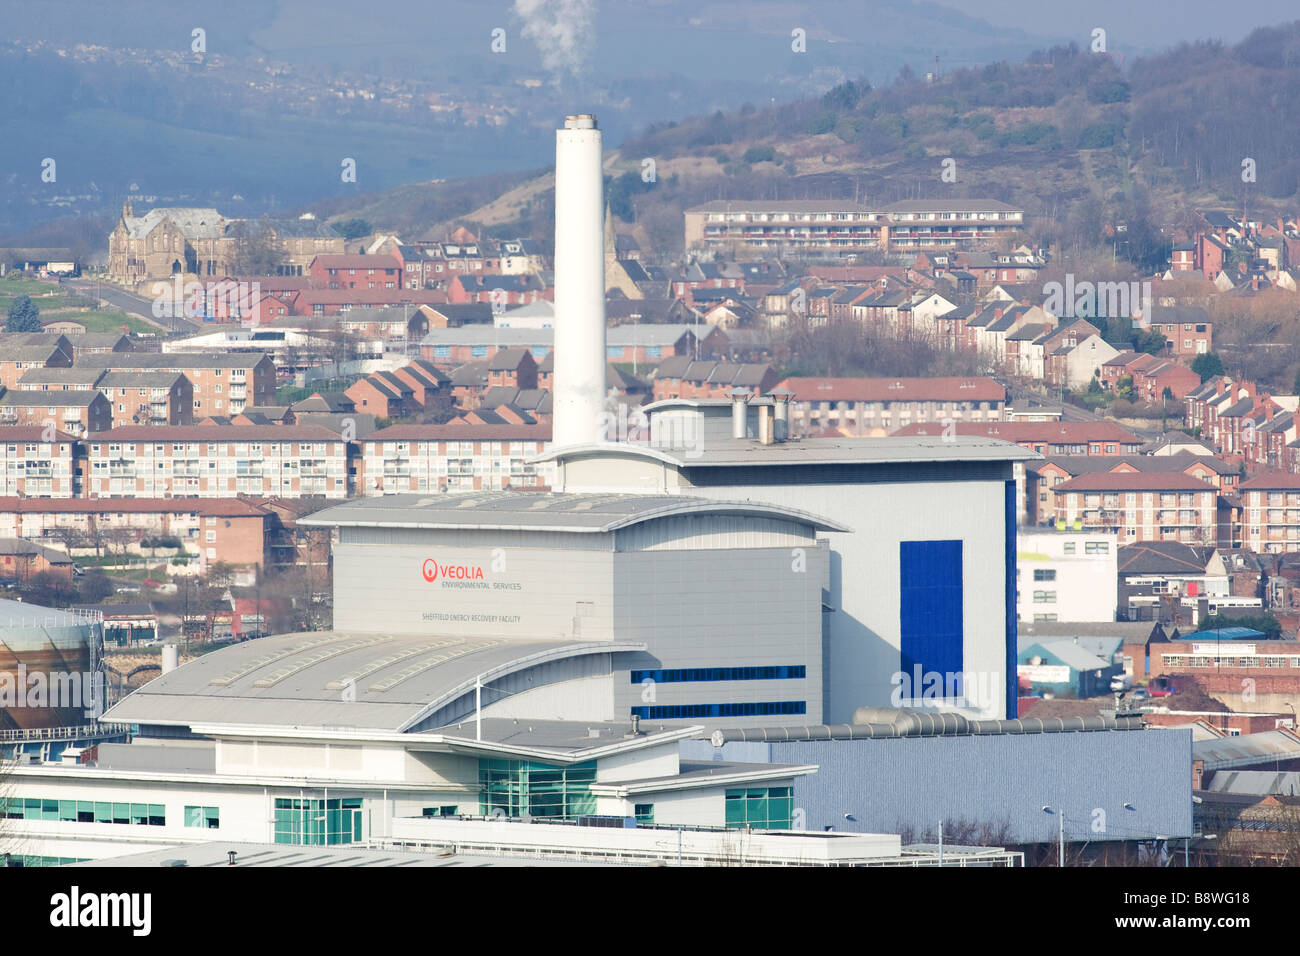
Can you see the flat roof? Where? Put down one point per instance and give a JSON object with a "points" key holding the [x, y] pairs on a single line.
{"points": [[274, 854], [340, 680], [532, 511], [733, 452]]}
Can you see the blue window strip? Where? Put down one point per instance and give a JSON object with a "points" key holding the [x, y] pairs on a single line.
{"points": [[684, 675], [694, 711]]}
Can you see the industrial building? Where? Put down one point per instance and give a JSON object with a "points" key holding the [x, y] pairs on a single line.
{"points": [[505, 665], [922, 577]]}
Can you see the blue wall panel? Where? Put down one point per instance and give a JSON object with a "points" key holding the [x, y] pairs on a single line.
{"points": [[1013, 681], [930, 606]]}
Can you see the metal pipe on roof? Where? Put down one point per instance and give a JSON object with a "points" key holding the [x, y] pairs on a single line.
{"points": [[739, 414], [929, 725]]}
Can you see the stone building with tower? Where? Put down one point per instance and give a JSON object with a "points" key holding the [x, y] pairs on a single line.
{"points": [[200, 243]]}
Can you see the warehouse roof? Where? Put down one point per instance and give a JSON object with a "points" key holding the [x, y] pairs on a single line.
{"points": [[24, 614], [1247, 749], [338, 680], [737, 452], [530, 511]]}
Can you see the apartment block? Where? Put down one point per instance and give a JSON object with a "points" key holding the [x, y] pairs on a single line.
{"points": [[821, 226], [407, 458], [224, 383], [861, 407], [76, 412], [37, 463], [1047, 438], [1145, 507], [230, 531], [16, 360], [1270, 515], [148, 398], [1043, 478], [217, 461]]}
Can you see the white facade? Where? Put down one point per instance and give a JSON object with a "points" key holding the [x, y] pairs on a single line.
{"points": [[399, 467], [228, 464], [36, 469], [1066, 576]]}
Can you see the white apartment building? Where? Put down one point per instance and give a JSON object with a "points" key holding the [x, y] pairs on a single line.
{"points": [[1066, 576], [36, 462], [406, 458], [215, 461]]}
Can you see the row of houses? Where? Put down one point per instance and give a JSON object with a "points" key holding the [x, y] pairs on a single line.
{"points": [[1238, 419]]}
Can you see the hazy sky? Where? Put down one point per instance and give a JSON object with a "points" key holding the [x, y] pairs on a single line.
{"points": [[1139, 24]]}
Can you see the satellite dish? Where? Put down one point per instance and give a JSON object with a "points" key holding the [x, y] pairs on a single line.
{"points": [[718, 738]]}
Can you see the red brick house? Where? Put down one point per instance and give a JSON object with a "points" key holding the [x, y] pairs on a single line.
{"points": [[356, 272], [514, 367], [383, 395]]}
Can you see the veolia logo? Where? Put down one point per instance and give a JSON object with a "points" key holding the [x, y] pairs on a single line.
{"points": [[458, 572]]}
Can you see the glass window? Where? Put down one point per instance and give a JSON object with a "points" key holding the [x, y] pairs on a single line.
{"points": [[206, 817], [763, 808]]}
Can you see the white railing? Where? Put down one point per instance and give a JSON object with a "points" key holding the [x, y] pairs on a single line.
{"points": [[81, 731]]}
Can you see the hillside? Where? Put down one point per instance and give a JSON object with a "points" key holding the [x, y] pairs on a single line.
{"points": [[1084, 145]]}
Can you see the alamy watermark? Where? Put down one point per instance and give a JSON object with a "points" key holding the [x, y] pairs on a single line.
{"points": [[1099, 300], [946, 688], [630, 425], [223, 300], [59, 689]]}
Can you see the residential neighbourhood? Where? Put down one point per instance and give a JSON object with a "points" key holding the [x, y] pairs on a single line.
{"points": [[890, 469]]}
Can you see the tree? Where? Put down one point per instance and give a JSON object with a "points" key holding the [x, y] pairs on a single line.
{"points": [[95, 586], [1209, 366], [257, 251], [48, 589], [352, 228], [24, 316]]}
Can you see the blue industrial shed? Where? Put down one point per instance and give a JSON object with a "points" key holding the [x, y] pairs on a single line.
{"points": [[1113, 785]]}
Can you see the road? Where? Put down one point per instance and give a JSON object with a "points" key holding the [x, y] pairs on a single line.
{"points": [[131, 304]]}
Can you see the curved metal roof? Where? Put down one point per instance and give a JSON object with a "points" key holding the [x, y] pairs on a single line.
{"points": [[529, 511], [337, 679]]}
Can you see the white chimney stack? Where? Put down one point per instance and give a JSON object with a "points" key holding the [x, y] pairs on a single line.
{"points": [[579, 397]]}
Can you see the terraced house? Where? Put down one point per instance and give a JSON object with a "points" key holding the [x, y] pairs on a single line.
{"points": [[217, 461]]}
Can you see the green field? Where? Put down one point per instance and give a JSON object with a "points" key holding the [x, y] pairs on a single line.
{"points": [[58, 304], [108, 321], [289, 394]]}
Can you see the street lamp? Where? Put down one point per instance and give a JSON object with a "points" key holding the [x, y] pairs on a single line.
{"points": [[1060, 819]]}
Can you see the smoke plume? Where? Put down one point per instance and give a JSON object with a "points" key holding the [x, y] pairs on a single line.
{"points": [[562, 29]]}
